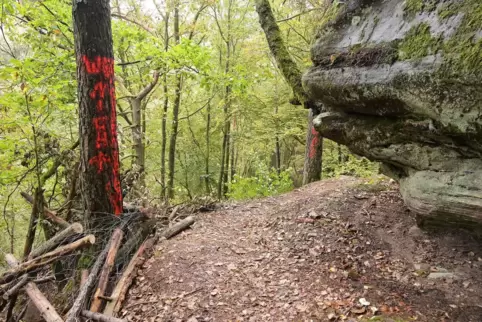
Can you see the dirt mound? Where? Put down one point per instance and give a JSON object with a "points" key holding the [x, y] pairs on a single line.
{"points": [[333, 250]]}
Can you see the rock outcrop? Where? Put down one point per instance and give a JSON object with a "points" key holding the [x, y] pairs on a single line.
{"points": [[401, 83]]}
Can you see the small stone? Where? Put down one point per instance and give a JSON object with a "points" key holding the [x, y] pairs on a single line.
{"points": [[414, 232], [439, 275], [364, 302]]}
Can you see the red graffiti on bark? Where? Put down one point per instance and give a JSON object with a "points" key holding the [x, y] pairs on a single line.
{"points": [[107, 157], [314, 142]]}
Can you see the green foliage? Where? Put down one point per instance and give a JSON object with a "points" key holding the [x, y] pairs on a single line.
{"points": [[337, 160], [266, 182]]}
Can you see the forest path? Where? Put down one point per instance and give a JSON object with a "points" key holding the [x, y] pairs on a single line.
{"points": [[319, 253]]}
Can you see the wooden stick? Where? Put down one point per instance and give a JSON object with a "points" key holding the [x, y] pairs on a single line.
{"points": [[78, 306], [120, 290], [53, 242], [115, 241], [49, 214], [21, 283], [178, 227], [14, 290], [84, 275], [45, 258], [100, 317], [47, 311]]}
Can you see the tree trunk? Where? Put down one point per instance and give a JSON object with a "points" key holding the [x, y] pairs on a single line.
{"points": [[32, 227], [99, 175], [208, 130], [175, 113], [286, 64], [164, 112], [137, 145], [313, 153]]}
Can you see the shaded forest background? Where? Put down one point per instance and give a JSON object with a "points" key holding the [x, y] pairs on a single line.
{"points": [[202, 108]]}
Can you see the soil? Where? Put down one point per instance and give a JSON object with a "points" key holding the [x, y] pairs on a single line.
{"points": [[335, 250]]}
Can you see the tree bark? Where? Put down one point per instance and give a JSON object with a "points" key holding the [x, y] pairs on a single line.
{"points": [[32, 227], [175, 113], [137, 132], [285, 63], [106, 269], [164, 112], [208, 148], [99, 161], [313, 153]]}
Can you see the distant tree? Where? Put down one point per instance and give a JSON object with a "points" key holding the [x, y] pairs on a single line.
{"points": [[292, 74]]}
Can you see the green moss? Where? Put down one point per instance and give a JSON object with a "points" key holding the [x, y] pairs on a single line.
{"points": [[413, 6], [448, 10], [463, 53], [418, 43]]}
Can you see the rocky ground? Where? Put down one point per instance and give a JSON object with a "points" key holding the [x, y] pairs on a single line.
{"points": [[336, 250]]}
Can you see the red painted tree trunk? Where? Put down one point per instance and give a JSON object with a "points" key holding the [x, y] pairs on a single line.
{"points": [[313, 154], [99, 175]]}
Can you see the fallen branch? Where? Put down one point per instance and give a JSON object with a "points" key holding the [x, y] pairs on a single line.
{"points": [[47, 311], [23, 280], [53, 242], [14, 290], [78, 306], [46, 258], [49, 214], [178, 227], [115, 241], [100, 317], [120, 290]]}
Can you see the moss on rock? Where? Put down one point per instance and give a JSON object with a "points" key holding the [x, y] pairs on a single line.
{"points": [[418, 43]]}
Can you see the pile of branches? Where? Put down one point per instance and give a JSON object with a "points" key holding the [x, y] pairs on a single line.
{"points": [[104, 285]]}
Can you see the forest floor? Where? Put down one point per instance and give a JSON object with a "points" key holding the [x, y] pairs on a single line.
{"points": [[335, 250]]}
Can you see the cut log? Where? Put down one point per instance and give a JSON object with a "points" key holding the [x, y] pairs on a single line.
{"points": [[100, 317], [45, 259], [115, 241], [78, 306], [53, 242], [178, 227], [120, 290], [49, 214], [173, 213], [47, 311], [84, 275]]}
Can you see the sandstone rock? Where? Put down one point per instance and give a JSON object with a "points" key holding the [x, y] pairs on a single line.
{"points": [[400, 84]]}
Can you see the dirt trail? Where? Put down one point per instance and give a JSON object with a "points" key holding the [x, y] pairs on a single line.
{"points": [[330, 251]]}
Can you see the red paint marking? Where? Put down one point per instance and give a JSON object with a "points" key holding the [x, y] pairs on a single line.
{"points": [[314, 143], [107, 158]]}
